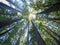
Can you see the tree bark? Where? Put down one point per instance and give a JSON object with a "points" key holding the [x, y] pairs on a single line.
{"points": [[8, 7], [6, 31], [53, 18], [14, 4], [8, 22], [53, 8], [27, 43], [54, 33], [37, 36], [51, 31], [53, 36]]}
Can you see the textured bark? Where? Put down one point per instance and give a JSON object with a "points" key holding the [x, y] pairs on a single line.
{"points": [[37, 36], [8, 22], [2, 5]]}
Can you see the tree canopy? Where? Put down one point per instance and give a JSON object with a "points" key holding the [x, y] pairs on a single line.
{"points": [[29, 22]]}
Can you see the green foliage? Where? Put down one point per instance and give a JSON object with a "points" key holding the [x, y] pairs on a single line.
{"points": [[41, 23], [25, 11], [37, 6]]}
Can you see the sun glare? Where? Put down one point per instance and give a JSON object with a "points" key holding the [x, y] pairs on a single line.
{"points": [[31, 17]]}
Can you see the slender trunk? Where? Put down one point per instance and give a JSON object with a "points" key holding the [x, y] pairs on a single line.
{"points": [[2, 5], [53, 18], [55, 33], [6, 31], [8, 22], [53, 8], [52, 32], [53, 36], [37, 36], [14, 4], [18, 41], [27, 43]]}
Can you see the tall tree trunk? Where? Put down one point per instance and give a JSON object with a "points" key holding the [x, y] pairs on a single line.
{"points": [[2, 5], [53, 8], [52, 32], [55, 33], [8, 22], [37, 36], [4, 32], [18, 41], [53, 19], [27, 43], [53, 36], [14, 4]]}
